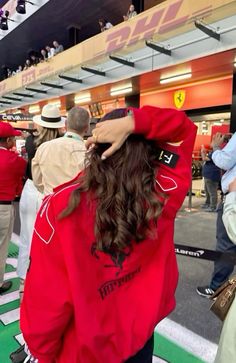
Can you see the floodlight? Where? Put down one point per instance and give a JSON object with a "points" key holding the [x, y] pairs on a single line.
{"points": [[20, 7]]}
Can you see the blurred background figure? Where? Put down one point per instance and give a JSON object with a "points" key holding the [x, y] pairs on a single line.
{"points": [[225, 159], [19, 69], [27, 64], [130, 13], [227, 347], [60, 160], [12, 171], [212, 176], [31, 198], [104, 24], [50, 51], [58, 47], [44, 55]]}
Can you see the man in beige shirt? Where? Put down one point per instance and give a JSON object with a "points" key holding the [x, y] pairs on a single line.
{"points": [[60, 160]]}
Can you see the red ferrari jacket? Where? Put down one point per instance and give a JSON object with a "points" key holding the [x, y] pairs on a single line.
{"points": [[78, 306]]}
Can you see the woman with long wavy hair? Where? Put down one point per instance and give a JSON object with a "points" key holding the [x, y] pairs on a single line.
{"points": [[103, 269]]}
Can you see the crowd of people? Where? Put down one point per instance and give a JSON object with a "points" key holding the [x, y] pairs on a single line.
{"points": [[34, 58], [105, 24]]}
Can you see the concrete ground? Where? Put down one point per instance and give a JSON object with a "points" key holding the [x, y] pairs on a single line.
{"points": [[195, 228]]}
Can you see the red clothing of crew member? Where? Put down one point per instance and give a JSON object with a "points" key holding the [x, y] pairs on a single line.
{"points": [[79, 307], [12, 170]]}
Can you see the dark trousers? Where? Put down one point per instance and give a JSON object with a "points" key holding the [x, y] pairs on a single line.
{"points": [[211, 188], [222, 269], [145, 354]]}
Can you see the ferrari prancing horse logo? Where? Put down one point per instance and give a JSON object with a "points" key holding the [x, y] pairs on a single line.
{"points": [[179, 98]]}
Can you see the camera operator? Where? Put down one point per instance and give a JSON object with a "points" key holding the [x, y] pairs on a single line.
{"points": [[225, 159]]}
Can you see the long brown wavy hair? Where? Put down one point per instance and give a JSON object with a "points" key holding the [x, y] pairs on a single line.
{"points": [[44, 134], [127, 202]]}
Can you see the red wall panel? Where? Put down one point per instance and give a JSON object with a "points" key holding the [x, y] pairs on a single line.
{"points": [[215, 93]]}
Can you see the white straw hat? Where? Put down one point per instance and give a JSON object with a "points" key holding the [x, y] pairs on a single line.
{"points": [[50, 117]]}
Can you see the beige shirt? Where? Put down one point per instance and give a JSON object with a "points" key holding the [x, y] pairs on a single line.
{"points": [[56, 162]]}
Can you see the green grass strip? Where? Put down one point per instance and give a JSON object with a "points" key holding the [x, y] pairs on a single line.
{"points": [[172, 352]]}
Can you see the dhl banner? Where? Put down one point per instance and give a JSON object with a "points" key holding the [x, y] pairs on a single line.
{"points": [[171, 17]]}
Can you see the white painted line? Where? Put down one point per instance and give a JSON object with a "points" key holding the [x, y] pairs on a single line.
{"points": [[12, 262], [10, 275], [20, 339], [15, 239], [158, 360], [188, 340], [10, 316], [7, 298]]}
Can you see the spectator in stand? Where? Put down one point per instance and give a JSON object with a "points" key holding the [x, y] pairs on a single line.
{"points": [[34, 60], [104, 24], [27, 64], [44, 55], [58, 47], [50, 51], [31, 198], [130, 13], [19, 69], [12, 171], [68, 151], [9, 72]]}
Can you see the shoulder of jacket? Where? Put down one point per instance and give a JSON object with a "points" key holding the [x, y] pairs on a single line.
{"points": [[53, 204]]}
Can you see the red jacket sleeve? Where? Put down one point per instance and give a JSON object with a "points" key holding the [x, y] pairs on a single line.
{"points": [[46, 309], [166, 126], [174, 132], [162, 124], [20, 169]]}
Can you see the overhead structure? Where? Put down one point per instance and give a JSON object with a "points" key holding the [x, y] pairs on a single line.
{"points": [[207, 30], [4, 18], [52, 85], [21, 6], [94, 71], [36, 90], [123, 61], [11, 98], [158, 48], [15, 12], [5, 102], [22, 94], [71, 79]]}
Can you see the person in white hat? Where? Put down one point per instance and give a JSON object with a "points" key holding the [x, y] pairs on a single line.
{"points": [[48, 126], [50, 118], [60, 160]]}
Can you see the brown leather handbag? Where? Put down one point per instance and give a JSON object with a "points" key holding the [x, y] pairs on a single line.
{"points": [[223, 297]]}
